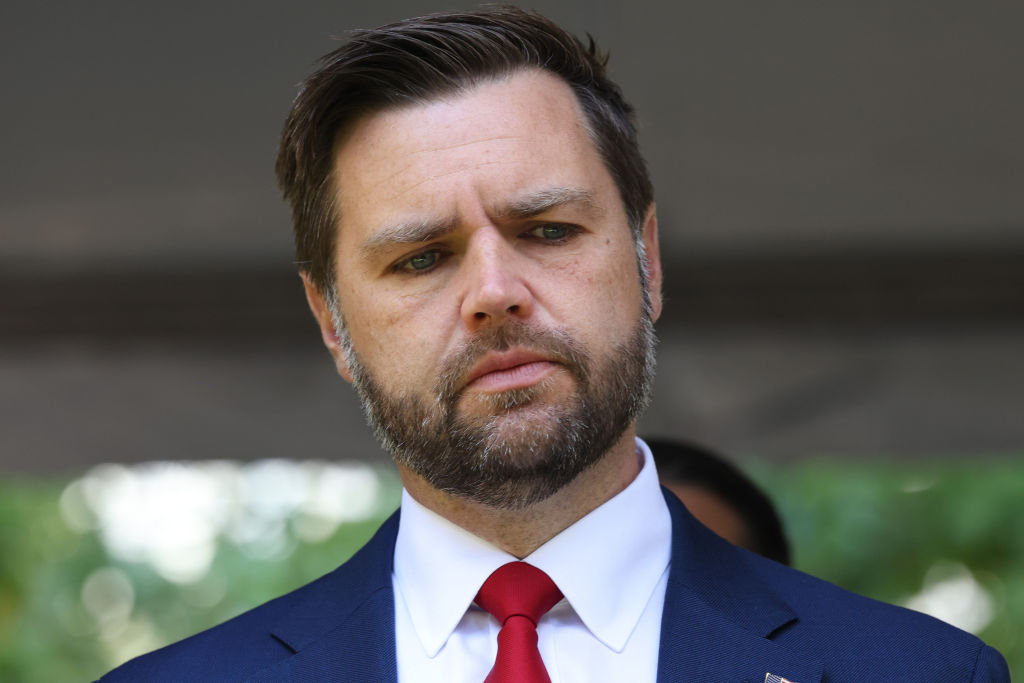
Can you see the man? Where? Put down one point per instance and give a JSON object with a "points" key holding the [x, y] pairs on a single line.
{"points": [[476, 233], [721, 497]]}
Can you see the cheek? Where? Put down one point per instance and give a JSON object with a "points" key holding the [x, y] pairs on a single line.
{"points": [[368, 326], [598, 298], [611, 284], [397, 342]]}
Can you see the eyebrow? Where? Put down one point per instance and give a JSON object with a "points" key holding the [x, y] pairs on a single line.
{"points": [[536, 203], [407, 232]]}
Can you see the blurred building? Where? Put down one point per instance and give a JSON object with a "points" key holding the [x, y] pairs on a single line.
{"points": [[841, 193]]}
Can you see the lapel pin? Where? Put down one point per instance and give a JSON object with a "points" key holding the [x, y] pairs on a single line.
{"points": [[772, 678]]}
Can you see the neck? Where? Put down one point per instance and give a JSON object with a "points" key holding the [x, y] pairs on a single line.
{"points": [[520, 532]]}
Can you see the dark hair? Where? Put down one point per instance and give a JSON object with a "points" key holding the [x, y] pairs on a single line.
{"points": [[421, 59], [689, 464]]}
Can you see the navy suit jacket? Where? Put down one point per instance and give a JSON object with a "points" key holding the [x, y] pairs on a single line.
{"points": [[729, 615]]}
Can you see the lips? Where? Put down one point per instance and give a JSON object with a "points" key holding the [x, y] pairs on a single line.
{"points": [[504, 371]]}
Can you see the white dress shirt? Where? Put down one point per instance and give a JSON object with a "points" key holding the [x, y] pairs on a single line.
{"points": [[611, 566]]}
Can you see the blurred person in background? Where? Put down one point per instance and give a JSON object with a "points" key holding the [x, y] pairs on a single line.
{"points": [[477, 236], [722, 497]]}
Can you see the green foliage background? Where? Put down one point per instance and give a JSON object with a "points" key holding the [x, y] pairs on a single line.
{"points": [[875, 528]]}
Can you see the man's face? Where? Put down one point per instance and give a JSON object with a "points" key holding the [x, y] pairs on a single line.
{"points": [[489, 286]]}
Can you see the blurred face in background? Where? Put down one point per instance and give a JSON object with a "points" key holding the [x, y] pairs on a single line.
{"points": [[714, 512]]}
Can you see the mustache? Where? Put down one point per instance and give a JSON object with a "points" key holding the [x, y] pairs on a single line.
{"points": [[555, 344]]}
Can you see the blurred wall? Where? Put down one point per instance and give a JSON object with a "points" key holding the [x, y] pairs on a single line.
{"points": [[839, 188]]}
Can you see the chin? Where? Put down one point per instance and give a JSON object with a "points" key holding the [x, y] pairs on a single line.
{"points": [[522, 430]]}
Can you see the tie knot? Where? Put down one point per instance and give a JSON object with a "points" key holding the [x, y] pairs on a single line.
{"points": [[518, 589]]}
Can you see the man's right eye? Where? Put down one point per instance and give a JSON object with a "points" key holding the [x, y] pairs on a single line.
{"points": [[419, 262]]}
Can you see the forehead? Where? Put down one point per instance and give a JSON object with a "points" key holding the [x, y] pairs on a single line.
{"points": [[500, 138]]}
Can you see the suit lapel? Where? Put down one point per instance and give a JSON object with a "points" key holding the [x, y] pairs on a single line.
{"points": [[719, 617], [362, 648], [342, 627], [717, 622]]}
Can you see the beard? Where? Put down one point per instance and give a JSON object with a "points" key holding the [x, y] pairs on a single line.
{"points": [[516, 448]]}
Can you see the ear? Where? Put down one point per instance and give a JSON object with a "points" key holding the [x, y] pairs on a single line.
{"points": [[322, 313], [652, 258]]}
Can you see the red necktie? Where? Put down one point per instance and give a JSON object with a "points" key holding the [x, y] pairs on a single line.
{"points": [[518, 595]]}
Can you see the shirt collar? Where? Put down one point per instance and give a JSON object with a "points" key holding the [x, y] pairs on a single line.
{"points": [[439, 567], [607, 564]]}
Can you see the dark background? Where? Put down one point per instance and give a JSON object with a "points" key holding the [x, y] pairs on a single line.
{"points": [[840, 185]]}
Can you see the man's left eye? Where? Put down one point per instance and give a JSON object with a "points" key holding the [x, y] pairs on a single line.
{"points": [[551, 232]]}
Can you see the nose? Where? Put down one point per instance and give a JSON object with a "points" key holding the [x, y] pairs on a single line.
{"points": [[494, 284]]}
